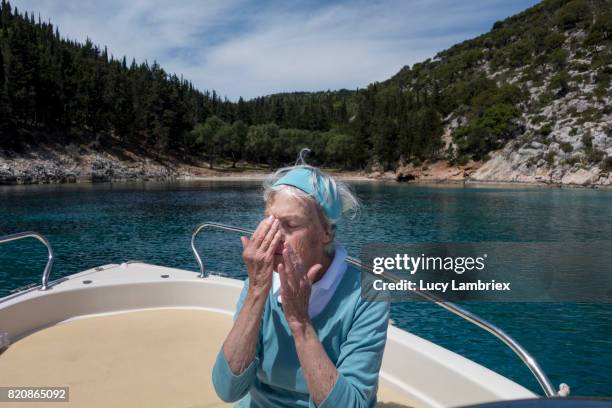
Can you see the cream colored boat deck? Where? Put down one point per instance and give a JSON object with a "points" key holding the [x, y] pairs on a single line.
{"points": [[151, 358]]}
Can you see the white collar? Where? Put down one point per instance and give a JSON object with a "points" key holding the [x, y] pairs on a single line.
{"points": [[323, 289]]}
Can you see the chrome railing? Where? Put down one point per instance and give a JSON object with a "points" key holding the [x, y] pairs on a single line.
{"points": [[203, 272], [514, 345], [41, 238]]}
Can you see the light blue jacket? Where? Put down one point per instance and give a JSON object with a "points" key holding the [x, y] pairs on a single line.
{"points": [[353, 332]]}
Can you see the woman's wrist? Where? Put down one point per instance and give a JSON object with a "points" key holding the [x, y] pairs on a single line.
{"points": [[257, 294], [300, 327]]}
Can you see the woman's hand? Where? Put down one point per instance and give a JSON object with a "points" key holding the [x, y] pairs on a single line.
{"points": [[296, 284], [258, 254], [240, 346]]}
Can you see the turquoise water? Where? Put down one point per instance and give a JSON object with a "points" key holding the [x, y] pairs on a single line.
{"points": [[91, 225]]}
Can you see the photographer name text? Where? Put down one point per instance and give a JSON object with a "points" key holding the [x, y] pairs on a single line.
{"points": [[453, 285]]}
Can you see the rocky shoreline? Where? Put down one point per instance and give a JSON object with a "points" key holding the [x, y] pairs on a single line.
{"points": [[91, 168], [489, 173], [52, 167], [71, 164]]}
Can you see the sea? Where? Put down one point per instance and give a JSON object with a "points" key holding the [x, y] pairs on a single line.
{"points": [[90, 225]]}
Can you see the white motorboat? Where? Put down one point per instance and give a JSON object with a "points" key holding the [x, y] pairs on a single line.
{"points": [[136, 334]]}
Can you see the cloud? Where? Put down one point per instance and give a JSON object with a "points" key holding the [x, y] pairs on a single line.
{"points": [[242, 48]]}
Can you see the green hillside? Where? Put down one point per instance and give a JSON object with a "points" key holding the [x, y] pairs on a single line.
{"points": [[462, 104]]}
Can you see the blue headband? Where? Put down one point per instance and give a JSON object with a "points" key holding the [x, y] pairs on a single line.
{"points": [[301, 178]]}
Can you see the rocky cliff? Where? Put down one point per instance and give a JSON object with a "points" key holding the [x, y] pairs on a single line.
{"points": [[72, 163]]}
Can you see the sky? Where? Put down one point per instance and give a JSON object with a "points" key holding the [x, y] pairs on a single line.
{"points": [[256, 48]]}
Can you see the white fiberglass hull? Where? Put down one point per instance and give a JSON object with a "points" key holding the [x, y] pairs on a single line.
{"points": [[415, 372]]}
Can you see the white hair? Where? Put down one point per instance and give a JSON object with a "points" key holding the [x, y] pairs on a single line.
{"points": [[321, 181]]}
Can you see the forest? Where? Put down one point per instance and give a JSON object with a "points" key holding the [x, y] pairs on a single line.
{"points": [[56, 90]]}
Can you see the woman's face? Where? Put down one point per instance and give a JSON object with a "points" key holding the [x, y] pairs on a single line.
{"points": [[300, 226]]}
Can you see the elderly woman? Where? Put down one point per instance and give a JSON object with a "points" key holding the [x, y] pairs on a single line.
{"points": [[302, 335]]}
